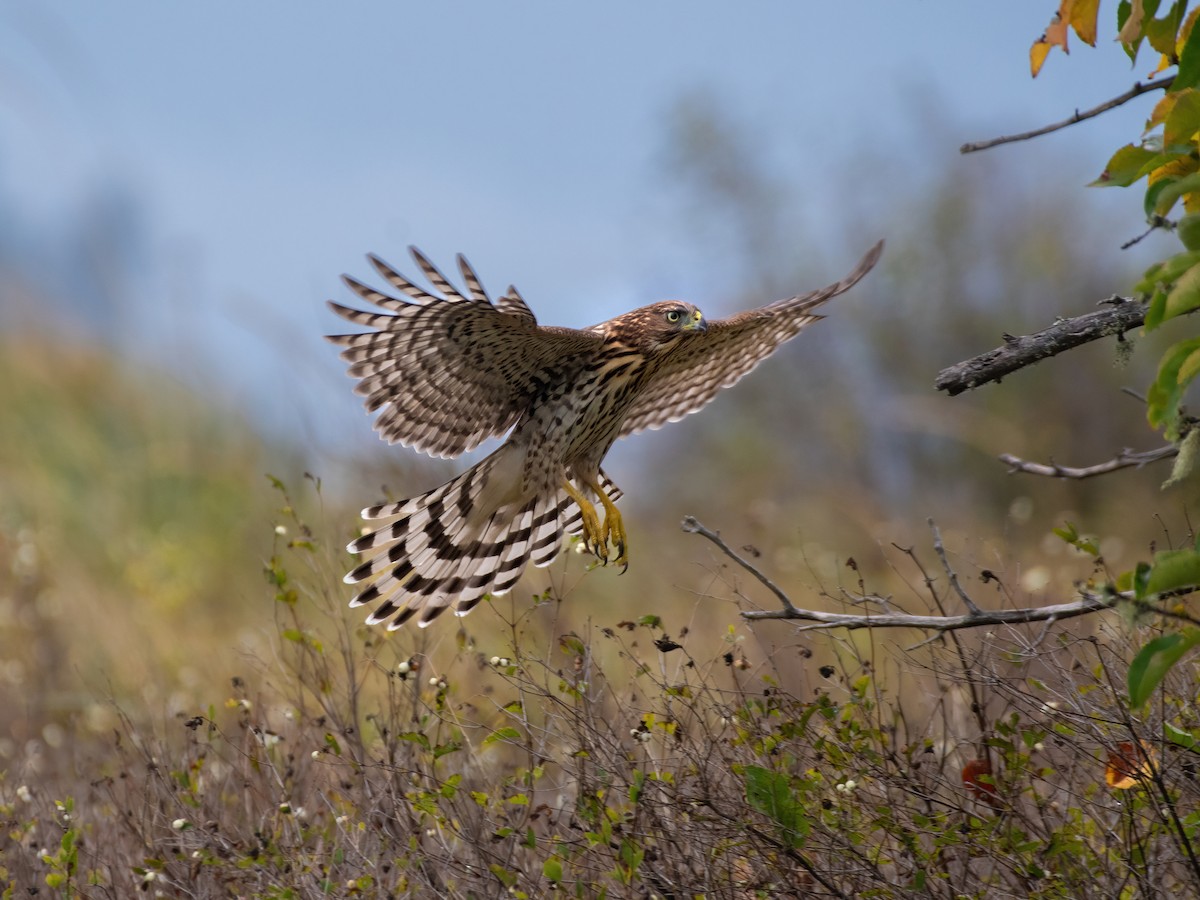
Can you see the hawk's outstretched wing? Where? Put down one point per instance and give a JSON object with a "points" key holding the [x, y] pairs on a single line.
{"points": [[730, 348], [449, 371]]}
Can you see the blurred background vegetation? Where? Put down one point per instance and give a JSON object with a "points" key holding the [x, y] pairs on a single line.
{"points": [[136, 516]]}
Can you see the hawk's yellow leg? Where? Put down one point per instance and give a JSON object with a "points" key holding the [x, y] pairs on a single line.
{"points": [[593, 538], [614, 526], [596, 537]]}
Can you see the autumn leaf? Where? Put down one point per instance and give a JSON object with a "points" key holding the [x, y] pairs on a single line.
{"points": [[1161, 110], [1082, 15], [979, 788], [1054, 36], [1131, 31], [1126, 765]]}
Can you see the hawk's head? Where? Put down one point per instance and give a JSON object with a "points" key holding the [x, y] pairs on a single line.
{"points": [[658, 327]]}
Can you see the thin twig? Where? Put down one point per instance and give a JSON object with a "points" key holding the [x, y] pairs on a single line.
{"points": [[1088, 603], [1121, 315], [1122, 460], [940, 550], [692, 526], [1139, 88]]}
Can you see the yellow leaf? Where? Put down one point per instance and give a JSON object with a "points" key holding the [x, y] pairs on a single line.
{"points": [[1164, 63], [1176, 168], [1054, 36], [1037, 55], [1082, 15], [1132, 29], [1183, 122], [1162, 109], [1126, 764]]}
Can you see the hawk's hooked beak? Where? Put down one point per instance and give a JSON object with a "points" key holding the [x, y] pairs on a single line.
{"points": [[696, 323]]}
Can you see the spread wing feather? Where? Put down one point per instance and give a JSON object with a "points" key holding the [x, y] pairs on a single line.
{"points": [[727, 351], [447, 372]]}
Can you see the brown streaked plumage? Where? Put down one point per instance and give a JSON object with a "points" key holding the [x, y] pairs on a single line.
{"points": [[450, 371]]}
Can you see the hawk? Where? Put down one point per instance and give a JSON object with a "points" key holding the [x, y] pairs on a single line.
{"points": [[450, 370]]}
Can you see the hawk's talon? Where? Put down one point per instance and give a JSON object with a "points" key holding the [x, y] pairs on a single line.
{"points": [[596, 537]]}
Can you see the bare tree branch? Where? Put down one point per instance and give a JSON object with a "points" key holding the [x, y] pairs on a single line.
{"points": [[1088, 602], [1139, 88], [1122, 460], [1121, 315]]}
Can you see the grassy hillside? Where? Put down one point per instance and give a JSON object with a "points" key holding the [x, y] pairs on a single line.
{"points": [[187, 707], [133, 522]]}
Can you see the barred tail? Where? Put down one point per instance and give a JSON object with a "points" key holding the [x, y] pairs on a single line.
{"points": [[459, 543]]}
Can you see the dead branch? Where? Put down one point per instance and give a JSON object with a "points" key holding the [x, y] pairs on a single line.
{"points": [[1121, 315], [1122, 460], [1137, 90], [1088, 602]]}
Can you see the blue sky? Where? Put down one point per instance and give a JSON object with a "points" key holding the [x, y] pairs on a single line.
{"points": [[270, 145]]}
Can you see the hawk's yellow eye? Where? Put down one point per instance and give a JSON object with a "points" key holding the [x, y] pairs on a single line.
{"points": [[673, 315]]}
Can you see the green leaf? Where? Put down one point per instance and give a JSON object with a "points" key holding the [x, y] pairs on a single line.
{"points": [[506, 878], [1182, 123], [650, 621], [571, 645], [450, 787], [1170, 194], [1188, 75], [771, 794], [1185, 295], [1161, 33], [1125, 167], [416, 737], [1071, 535], [446, 749], [1189, 368], [1166, 393], [552, 869], [1173, 569], [503, 734], [1188, 229], [1166, 272], [1188, 740], [1141, 578], [1155, 310], [635, 789], [1123, 9], [1150, 201], [1154, 661]]}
